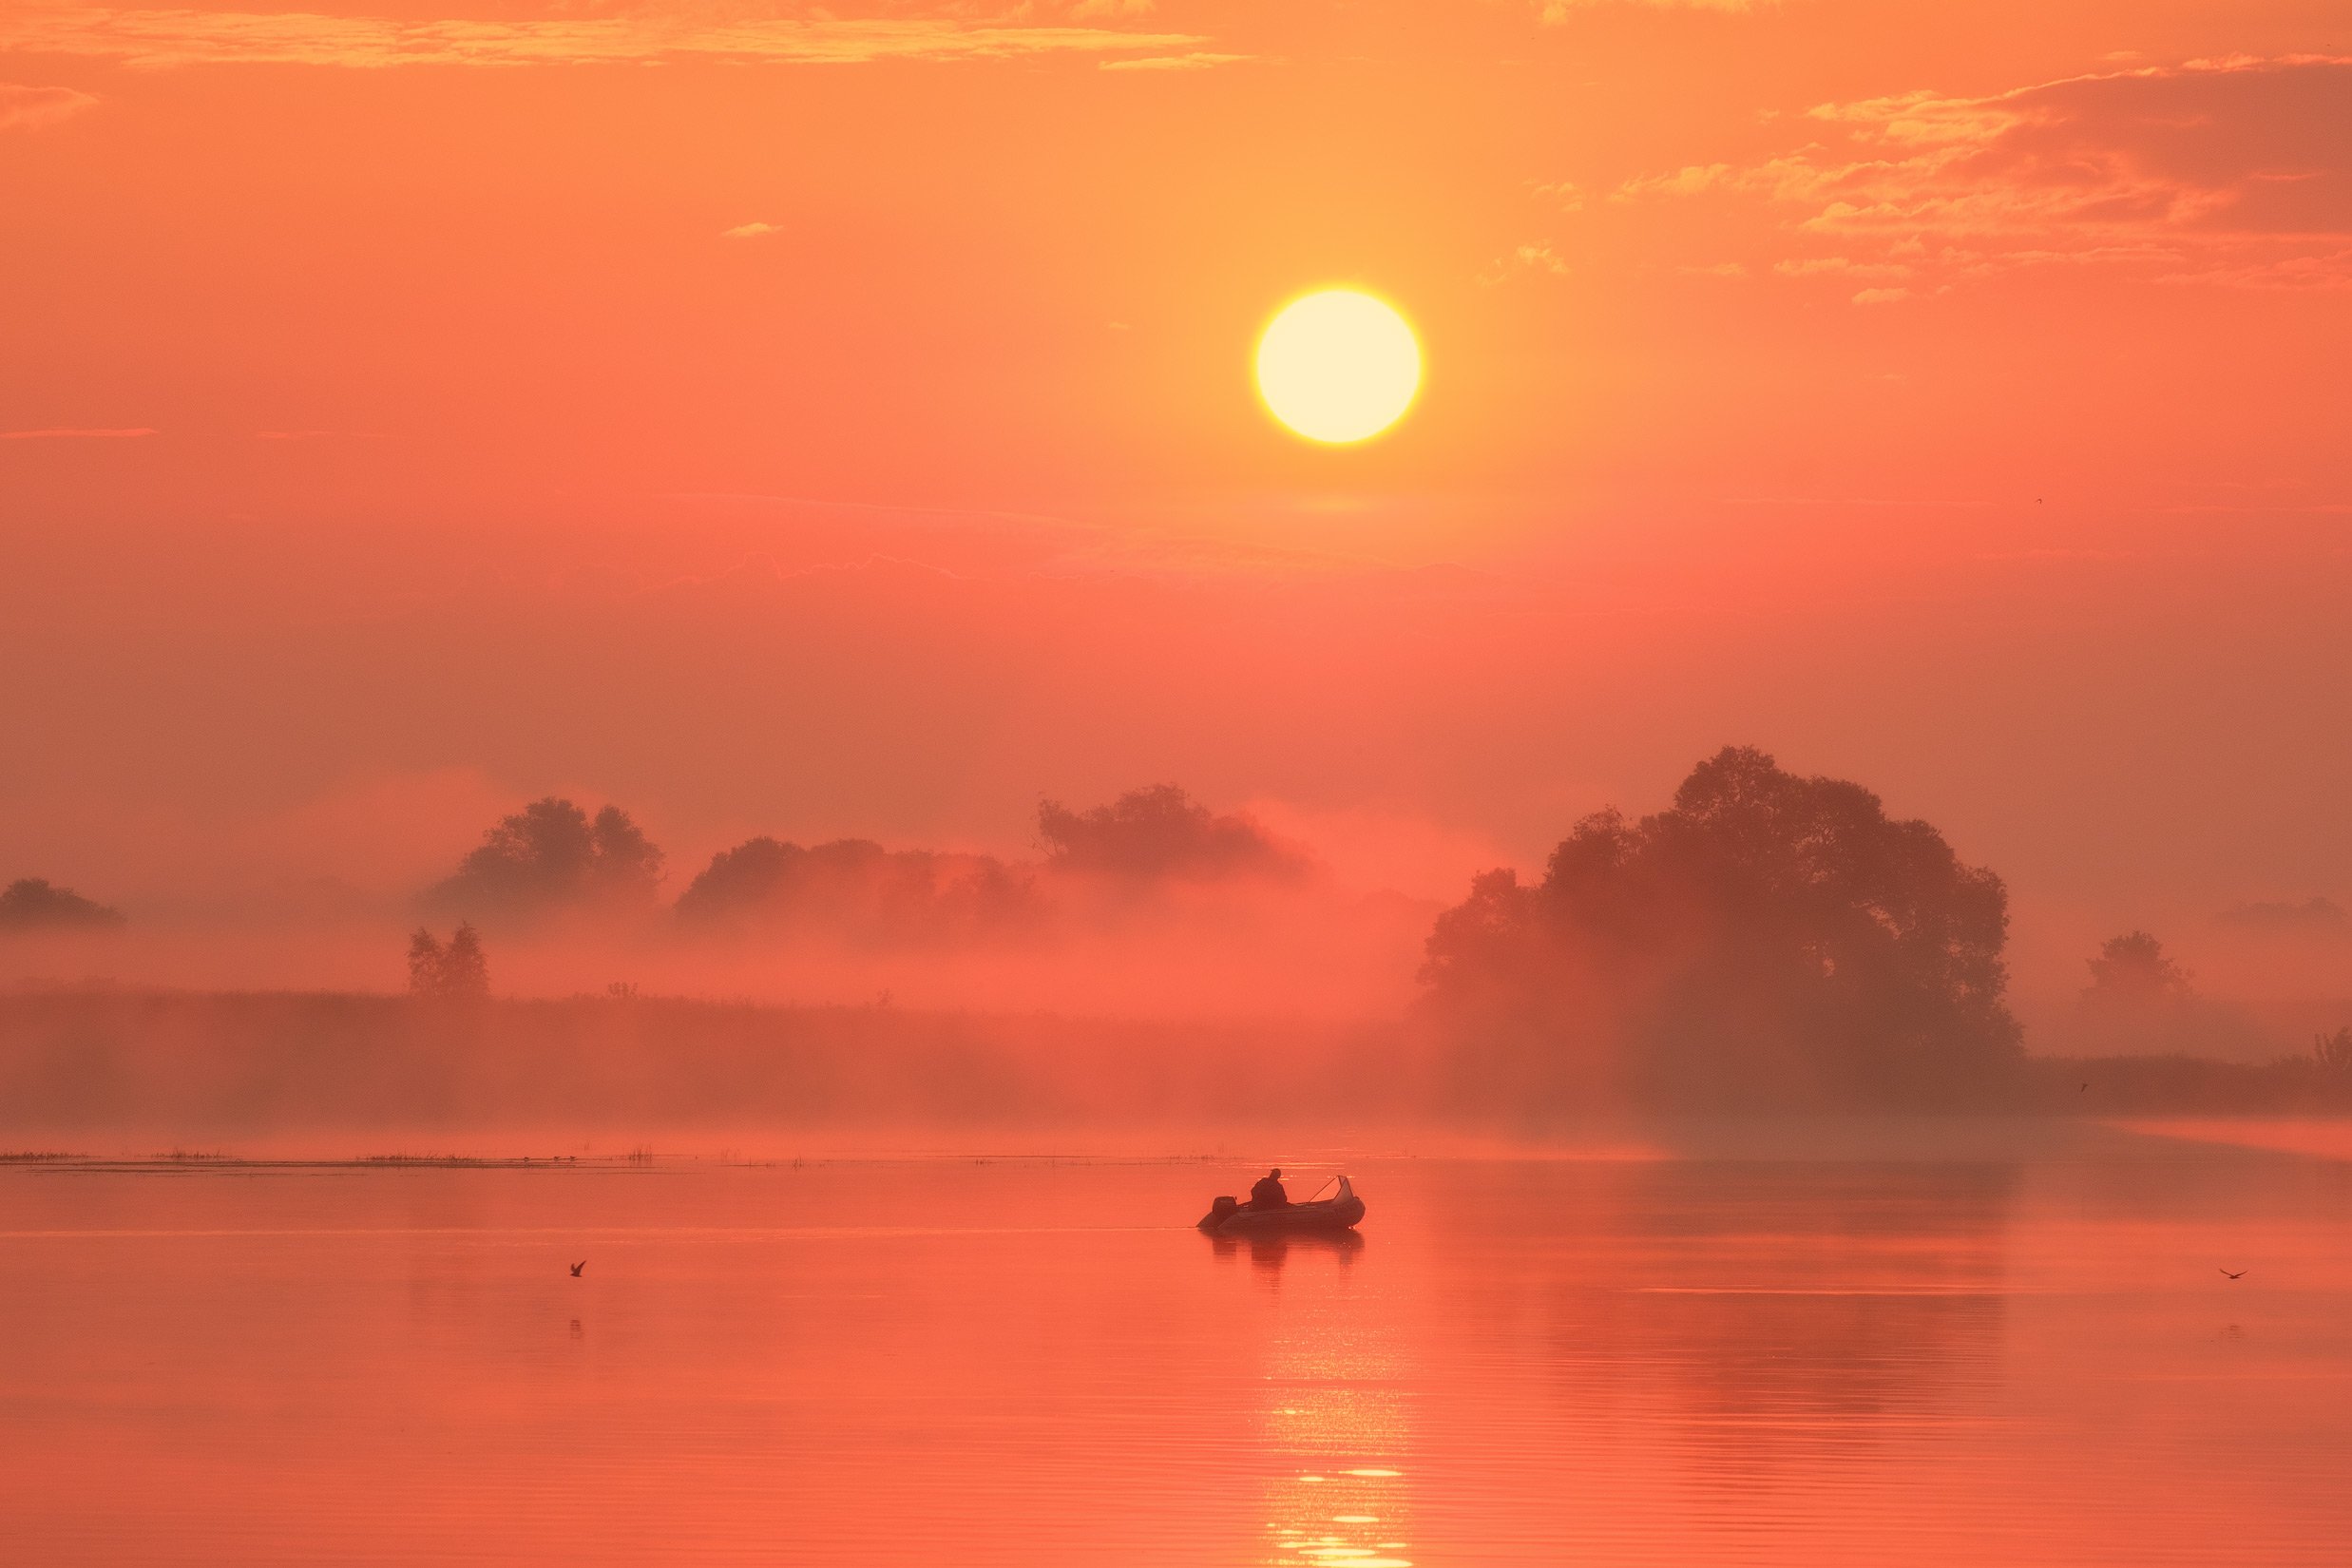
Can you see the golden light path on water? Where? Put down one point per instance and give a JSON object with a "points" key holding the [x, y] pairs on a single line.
{"points": [[1336, 1399]]}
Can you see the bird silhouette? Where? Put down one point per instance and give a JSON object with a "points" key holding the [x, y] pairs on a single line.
{"points": [[576, 1266], [2085, 1086], [2240, 1275]]}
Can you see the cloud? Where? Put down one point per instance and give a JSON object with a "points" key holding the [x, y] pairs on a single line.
{"points": [[2325, 270], [750, 231], [23, 107], [1562, 192], [66, 433], [1196, 60], [322, 435], [1535, 257], [1688, 181], [1553, 12], [2236, 173], [160, 39], [1815, 266]]}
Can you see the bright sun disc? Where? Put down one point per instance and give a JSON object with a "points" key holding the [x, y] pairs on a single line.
{"points": [[1338, 366]]}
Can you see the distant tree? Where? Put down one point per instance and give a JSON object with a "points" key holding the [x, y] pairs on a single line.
{"points": [[854, 889], [2315, 917], [1157, 833], [454, 971], [2334, 1051], [2140, 1001], [550, 856], [2133, 971], [32, 904], [750, 878], [1769, 939], [425, 958], [465, 970]]}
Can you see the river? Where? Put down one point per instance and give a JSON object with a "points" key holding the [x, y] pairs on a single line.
{"points": [[1649, 1358]]}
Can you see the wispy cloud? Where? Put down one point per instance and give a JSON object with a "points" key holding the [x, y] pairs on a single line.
{"points": [[1196, 60], [750, 231], [71, 433], [2235, 172], [159, 39], [319, 435], [1564, 193], [1535, 257], [1553, 12], [23, 107], [2319, 270], [1842, 266]]}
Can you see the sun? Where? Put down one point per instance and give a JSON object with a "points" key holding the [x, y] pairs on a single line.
{"points": [[1338, 366]]}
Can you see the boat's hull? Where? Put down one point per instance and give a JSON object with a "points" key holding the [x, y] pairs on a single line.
{"points": [[1340, 1214]]}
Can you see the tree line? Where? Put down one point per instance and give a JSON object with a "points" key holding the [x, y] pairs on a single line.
{"points": [[552, 859]]}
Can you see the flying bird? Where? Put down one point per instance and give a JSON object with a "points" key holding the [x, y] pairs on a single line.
{"points": [[576, 1266], [2240, 1275]]}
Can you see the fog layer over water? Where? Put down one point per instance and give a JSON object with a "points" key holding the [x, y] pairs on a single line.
{"points": [[1599, 1361]]}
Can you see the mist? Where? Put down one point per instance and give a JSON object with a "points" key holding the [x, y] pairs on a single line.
{"points": [[1769, 943]]}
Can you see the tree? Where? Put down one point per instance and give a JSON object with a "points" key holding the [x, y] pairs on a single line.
{"points": [[465, 970], [455, 971], [854, 889], [2317, 917], [32, 904], [1769, 939], [551, 857], [425, 958], [2334, 1052], [1160, 832], [2133, 971], [624, 867], [2140, 1001]]}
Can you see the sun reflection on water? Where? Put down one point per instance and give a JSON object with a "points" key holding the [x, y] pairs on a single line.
{"points": [[1335, 1405]]}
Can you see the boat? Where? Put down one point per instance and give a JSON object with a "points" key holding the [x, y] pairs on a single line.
{"points": [[1230, 1217]]}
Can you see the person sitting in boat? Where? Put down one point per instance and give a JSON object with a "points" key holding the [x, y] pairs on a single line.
{"points": [[1268, 1192]]}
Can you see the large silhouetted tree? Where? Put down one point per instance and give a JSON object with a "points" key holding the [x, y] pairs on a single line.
{"points": [[1769, 939], [551, 855]]}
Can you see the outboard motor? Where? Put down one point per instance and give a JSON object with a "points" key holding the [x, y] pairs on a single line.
{"points": [[1218, 1212]]}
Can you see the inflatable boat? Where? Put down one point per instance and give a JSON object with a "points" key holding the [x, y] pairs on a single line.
{"points": [[1228, 1217]]}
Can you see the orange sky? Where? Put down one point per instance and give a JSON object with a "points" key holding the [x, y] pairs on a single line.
{"points": [[837, 421]]}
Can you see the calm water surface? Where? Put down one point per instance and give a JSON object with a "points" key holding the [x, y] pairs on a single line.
{"points": [[936, 1361]]}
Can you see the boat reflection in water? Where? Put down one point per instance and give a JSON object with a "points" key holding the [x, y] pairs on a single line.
{"points": [[1272, 1252]]}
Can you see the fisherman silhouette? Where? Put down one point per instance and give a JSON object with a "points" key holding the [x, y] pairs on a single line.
{"points": [[1268, 1192]]}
